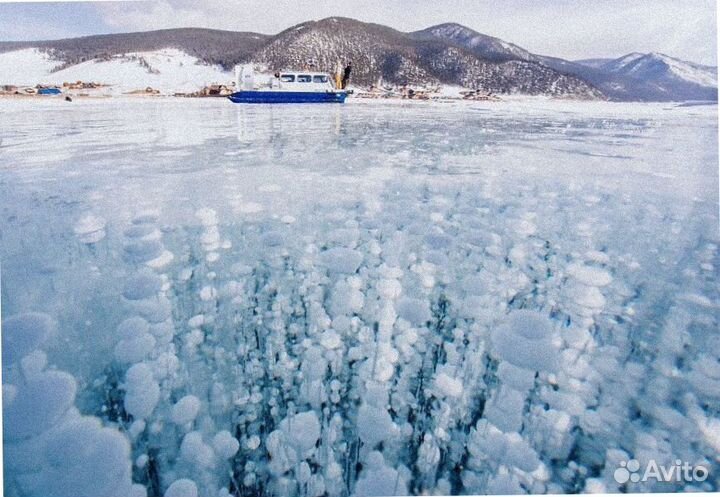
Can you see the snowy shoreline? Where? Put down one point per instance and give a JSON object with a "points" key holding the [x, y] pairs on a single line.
{"points": [[505, 100], [351, 99]]}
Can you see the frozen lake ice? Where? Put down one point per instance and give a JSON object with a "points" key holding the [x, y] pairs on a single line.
{"points": [[369, 299]]}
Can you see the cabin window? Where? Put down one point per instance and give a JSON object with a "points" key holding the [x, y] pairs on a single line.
{"points": [[287, 78], [320, 79], [304, 78]]}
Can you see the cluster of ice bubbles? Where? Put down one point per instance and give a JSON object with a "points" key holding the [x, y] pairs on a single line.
{"points": [[376, 353], [50, 448]]}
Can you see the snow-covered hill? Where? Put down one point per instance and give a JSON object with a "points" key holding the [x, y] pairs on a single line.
{"points": [[615, 65], [654, 76], [167, 70], [663, 68], [211, 46], [635, 76], [27, 66]]}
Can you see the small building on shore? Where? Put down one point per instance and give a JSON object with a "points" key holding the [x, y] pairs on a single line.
{"points": [[81, 85]]}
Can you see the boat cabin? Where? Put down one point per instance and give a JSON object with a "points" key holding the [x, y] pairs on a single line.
{"points": [[302, 81]]}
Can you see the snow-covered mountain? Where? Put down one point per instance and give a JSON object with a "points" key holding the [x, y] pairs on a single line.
{"points": [[644, 77], [615, 65], [381, 52], [635, 76], [378, 52], [488, 47], [662, 77], [595, 63], [663, 70], [652, 76]]}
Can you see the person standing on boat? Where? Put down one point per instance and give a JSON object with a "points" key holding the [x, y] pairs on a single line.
{"points": [[346, 75]]}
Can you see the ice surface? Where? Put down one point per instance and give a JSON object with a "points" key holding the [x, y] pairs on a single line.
{"points": [[90, 229], [39, 404], [182, 488], [142, 286], [293, 442], [134, 349], [301, 430], [186, 410], [225, 444], [22, 333], [341, 260], [590, 276], [525, 340], [448, 386], [195, 451], [356, 300], [141, 391], [379, 479], [49, 447], [374, 425], [415, 311], [85, 448]]}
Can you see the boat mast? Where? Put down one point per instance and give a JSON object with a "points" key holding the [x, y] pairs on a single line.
{"points": [[338, 75]]}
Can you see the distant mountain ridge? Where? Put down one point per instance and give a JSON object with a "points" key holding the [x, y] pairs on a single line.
{"points": [[379, 52], [661, 67], [447, 53], [658, 76], [635, 76]]}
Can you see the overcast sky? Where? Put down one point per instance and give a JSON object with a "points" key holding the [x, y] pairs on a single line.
{"points": [[571, 29]]}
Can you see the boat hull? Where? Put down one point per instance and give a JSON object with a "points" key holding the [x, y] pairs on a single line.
{"points": [[287, 97]]}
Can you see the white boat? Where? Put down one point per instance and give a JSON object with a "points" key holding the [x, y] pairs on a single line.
{"points": [[285, 87]]}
